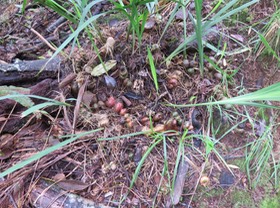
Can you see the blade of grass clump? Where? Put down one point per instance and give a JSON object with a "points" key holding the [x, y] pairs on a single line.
{"points": [[32, 96], [58, 9], [268, 47], [82, 12], [214, 9], [180, 155], [73, 35], [45, 152], [217, 18], [151, 6], [164, 170], [24, 3], [275, 172], [158, 139], [143, 20], [258, 157], [124, 136], [183, 8], [198, 32], [36, 108], [141, 162], [153, 69], [171, 18], [136, 19], [180, 169], [12, 90], [270, 93], [32, 109]]}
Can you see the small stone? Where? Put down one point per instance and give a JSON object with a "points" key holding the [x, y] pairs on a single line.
{"points": [[226, 179]]}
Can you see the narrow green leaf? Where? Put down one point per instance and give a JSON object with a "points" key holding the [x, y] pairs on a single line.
{"points": [[269, 48], [45, 152], [153, 69]]}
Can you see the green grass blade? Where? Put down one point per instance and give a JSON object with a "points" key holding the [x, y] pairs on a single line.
{"points": [[153, 69], [171, 18], [268, 47], [58, 9], [43, 153], [137, 171], [35, 108], [214, 9], [198, 31], [271, 93], [32, 96], [74, 34], [219, 17]]}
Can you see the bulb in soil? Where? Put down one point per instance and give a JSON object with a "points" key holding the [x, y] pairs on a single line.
{"points": [[190, 70], [123, 111], [218, 75], [101, 104], [110, 102], [186, 63], [95, 106], [192, 63], [129, 124], [145, 120], [118, 107], [171, 124], [175, 114], [204, 181], [123, 73], [210, 66], [157, 117], [172, 83], [127, 82], [187, 125]]}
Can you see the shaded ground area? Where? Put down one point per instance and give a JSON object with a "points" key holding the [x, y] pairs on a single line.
{"points": [[101, 166]]}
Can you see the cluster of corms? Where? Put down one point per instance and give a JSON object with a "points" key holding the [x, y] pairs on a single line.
{"points": [[119, 108], [116, 105], [173, 79], [174, 123], [192, 66]]}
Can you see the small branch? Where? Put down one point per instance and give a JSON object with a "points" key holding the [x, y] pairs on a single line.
{"points": [[29, 70], [43, 39]]}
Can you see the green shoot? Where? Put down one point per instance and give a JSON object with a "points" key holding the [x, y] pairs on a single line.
{"points": [[58, 9], [198, 30], [153, 69], [136, 18], [206, 26], [268, 47]]}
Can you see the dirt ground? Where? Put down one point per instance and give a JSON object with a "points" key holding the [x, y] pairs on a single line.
{"points": [[98, 169]]}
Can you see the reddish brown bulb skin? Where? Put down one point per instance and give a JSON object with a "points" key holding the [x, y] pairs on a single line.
{"points": [[123, 111], [118, 107], [172, 83], [158, 117], [111, 101]]}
